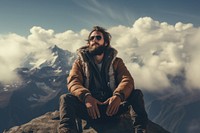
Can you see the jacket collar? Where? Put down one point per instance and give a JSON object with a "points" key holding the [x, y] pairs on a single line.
{"points": [[83, 50]]}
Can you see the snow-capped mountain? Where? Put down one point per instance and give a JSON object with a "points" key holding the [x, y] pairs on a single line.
{"points": [[39, 89], [62, 60], [58, 59], [43, 80]]}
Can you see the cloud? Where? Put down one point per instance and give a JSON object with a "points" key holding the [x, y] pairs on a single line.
{"points": [[103, 11], [12, 49], [92, 6], [192, 65], [153, 51], [70, 40], [15, 48]]}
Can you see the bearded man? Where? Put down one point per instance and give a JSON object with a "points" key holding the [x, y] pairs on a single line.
{"points": [[100, 87]]}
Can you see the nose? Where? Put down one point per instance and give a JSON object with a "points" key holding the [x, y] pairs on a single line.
{"points": [[94, 39]]}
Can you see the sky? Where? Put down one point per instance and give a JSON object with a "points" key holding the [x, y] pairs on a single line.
{"points": [[19, 16], [157, 39]]}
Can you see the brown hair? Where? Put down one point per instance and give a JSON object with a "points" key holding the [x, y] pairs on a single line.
{"points": [[106, 35]]}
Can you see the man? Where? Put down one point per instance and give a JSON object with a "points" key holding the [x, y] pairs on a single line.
{"points": [[100, 86]]}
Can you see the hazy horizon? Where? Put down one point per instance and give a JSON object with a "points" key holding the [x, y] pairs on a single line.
{"points": [[156, 39], [152, 50]]}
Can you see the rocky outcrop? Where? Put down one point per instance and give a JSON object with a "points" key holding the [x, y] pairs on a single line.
{"points": [[49, 122]]}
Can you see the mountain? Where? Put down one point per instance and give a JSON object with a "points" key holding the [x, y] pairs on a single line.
{"points": [[49, 123], [178, 113], [37, 92], [57, 58], [42, 82]]}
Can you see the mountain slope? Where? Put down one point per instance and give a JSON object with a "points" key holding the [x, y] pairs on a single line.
{"points": [[42, 83], [49, 123], [38, 91], [176, 112]]}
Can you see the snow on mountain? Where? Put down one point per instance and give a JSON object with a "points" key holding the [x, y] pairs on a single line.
{"points": [[60, 60], [42, 82]]}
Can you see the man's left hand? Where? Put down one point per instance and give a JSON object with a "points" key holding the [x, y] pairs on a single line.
{"points": [[113, 105]]}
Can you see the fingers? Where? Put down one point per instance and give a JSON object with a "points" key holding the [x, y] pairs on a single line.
{"points": [[94, 112], [107, 101], [93, 109], [113, 105], [90, 112], [98, 102], [112, 110], [97, 113]]}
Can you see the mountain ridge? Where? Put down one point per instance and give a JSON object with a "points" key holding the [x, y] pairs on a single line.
{"points": [[39, 90], [49, 123]]}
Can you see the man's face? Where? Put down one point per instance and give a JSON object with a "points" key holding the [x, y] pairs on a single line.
{"points": [[96, 43]]}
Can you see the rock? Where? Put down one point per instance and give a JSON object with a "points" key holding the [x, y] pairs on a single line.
{"points": [[46, 123], [49, 122]]}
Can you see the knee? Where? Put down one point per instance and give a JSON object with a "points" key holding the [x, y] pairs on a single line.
{"points": [[63, 97], [138, 92], [67, 98]]}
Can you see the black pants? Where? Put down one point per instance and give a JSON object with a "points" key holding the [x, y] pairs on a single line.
{"points": [[72, 108]]}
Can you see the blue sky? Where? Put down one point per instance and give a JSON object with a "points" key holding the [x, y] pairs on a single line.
{"points": [[19, 16], [155, 38]]}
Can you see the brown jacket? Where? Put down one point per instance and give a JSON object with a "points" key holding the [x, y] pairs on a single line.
{"points": [[79, 74]]}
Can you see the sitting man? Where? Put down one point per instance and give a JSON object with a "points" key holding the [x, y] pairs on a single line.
{"points": [[99, 83]]}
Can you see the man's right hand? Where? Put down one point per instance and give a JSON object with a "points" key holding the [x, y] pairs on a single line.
{"points": [[92, 108]]}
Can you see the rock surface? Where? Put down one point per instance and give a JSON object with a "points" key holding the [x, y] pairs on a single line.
{"points": [[49, 122]]}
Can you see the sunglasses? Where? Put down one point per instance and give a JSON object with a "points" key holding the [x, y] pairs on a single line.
{"points": [[98, 38]]}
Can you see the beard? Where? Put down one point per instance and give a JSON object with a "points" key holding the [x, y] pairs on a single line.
{"points": [[96, 49]]}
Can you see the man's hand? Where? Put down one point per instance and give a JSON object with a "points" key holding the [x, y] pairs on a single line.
{"points": [[113, 105], [92, 108]]}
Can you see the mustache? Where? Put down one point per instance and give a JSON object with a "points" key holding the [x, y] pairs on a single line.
{"points": [[95, 44]]}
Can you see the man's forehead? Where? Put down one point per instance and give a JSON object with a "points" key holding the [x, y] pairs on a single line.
{"points": [[96, 33]]}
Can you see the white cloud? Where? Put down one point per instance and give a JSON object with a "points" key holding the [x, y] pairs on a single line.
{"points": [[193, 63], [12, 49], [70, 40], [92, 6], [152, 50]]}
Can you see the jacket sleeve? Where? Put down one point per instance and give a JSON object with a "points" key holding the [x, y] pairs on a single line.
{"points": [[125, 82], [75, 81]]}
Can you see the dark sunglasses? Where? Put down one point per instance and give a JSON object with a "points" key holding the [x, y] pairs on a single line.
{"points": [[96, 37]]}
